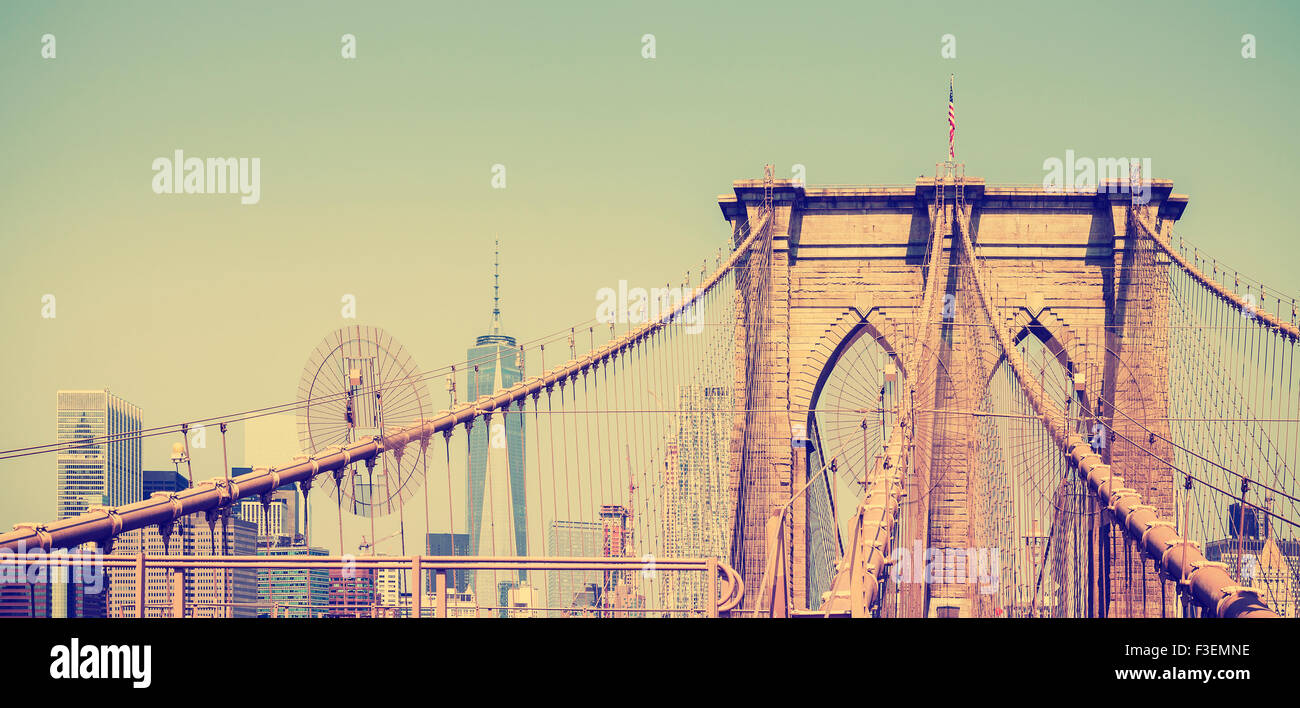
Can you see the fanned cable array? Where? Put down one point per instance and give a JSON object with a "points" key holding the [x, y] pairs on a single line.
{"points": [[965, 452]]}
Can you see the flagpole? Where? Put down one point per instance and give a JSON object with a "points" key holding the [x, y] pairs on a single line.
{"points": [[952, 96]]}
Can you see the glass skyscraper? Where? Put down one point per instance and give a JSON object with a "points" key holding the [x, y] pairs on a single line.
{"points": [[93, 470], [448, 544], [97, 472], [497, 521], [571, 539]]}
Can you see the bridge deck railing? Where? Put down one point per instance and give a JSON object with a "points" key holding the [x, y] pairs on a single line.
{"points": [[722, 582]]}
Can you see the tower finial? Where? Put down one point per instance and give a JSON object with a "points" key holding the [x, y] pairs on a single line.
{"points": [[496, 289]]}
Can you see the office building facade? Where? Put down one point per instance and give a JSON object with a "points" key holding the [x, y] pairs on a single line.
{"points": [[209, 592], [297, 592], [282, 517], [53, 596], [582, 539], [352, 592], [448, 544], [166, 481], [102, 465], [696, 490]]}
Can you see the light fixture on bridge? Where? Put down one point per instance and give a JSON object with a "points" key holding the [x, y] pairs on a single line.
{"points": [[178, 453]]}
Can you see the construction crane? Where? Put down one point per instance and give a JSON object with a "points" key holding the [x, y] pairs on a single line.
{"points": [[364, 545]]}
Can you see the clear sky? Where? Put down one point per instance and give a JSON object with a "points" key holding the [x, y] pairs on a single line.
{"points": [[376, 171]]}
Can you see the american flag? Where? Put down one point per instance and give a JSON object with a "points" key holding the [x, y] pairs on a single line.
{"points": [[952, 124]]}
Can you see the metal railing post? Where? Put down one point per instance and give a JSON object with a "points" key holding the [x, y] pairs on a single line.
{"points": [[178, 593], [139, 585], [417, 589], [713, 587], [441, 589]]}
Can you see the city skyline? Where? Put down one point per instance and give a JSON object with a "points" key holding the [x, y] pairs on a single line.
{"points": [[325, 322], [768, 353], [192, 318]]}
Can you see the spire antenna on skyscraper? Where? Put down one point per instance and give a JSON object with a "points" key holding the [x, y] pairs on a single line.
{"points": [[496, 289], [495, 333]]}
